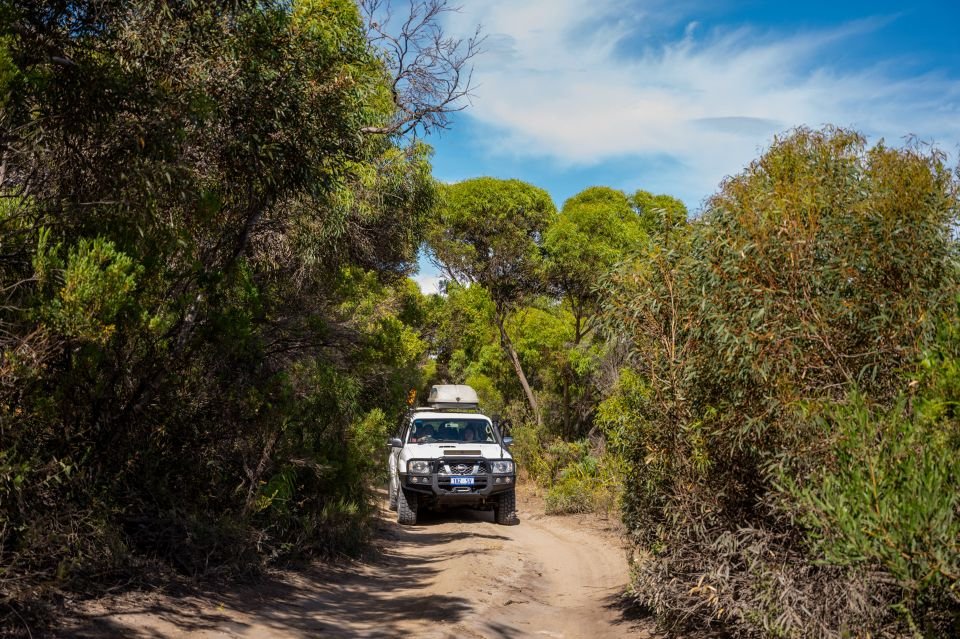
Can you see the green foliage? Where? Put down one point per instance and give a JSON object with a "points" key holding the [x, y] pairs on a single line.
{"points": [[491, 399], [815, 271], [97, 284], [887, 492], [573, 489], [465, 342], [488, 233], [529, 451], [617, 414], [889, 498], [591, 482], [659, 214], [625, 419], [542, 336], [583, 476], [8, 71], [206, 329], [595, 230]]}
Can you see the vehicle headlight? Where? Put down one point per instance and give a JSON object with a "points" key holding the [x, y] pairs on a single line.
{"points": [[501, 467], [418, 467]]}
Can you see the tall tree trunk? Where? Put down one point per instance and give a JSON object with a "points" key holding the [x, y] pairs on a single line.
{"points": [[515, 360], [568, 372]]}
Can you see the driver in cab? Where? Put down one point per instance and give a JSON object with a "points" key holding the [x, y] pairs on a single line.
{"points": [[424, 434]]}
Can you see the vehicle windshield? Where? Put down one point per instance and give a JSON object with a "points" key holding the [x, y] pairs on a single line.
{"points": [[447, 430]]}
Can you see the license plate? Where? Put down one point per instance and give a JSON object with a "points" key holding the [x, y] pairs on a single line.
{"points": [[461, 481]]}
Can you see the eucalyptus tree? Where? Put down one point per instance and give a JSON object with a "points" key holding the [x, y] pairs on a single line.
{"points": [[771, 396], [659, 214], [596, 229], [488, 232], [188, 191]]}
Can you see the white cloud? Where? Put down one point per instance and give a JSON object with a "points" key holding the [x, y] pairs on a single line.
{"points": [[429, 283], [556, 83]]}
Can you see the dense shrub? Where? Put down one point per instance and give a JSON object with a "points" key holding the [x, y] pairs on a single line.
{"points": [[578, 477], [888, 490], [205, 329], [816, 271], [591, 483]]}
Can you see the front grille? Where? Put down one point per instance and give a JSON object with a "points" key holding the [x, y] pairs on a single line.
{"points": [[477, 468], [463, 467]]}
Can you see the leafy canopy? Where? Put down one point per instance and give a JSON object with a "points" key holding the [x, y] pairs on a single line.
{"points": [[596, 229], [488, 232]]}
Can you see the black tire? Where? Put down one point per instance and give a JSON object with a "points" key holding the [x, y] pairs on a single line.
{"points": [[505, 510], [407, 505], [393, 499]]}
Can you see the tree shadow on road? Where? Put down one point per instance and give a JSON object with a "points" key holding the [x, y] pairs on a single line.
{"points": [[314, 601], [637, 617]]}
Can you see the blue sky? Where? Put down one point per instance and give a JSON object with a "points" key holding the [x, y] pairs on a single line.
{"points": [[672, 96]]}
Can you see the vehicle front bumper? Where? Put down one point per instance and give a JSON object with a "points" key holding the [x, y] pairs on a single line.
{"points": [[440, 486]]}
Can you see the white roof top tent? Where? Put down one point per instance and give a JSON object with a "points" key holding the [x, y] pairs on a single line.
{"points": [[453, 396]]}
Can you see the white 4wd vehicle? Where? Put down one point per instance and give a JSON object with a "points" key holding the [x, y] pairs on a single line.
{"points": [[450, 454]]}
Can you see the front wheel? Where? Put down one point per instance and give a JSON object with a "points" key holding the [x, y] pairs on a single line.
{"points": [[407, 505], [505, 509]]}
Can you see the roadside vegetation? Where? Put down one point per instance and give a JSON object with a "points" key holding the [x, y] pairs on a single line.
{"points": [[767, 391], [787, 434], [208, 213]]}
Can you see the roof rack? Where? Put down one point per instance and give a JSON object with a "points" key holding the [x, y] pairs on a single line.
{"points": [[446, 409]]}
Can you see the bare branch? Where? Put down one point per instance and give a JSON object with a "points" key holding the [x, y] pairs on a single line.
{"points": [[432, 75]]}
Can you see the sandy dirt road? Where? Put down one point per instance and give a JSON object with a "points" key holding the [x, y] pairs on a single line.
{"points": [[455, 574]]}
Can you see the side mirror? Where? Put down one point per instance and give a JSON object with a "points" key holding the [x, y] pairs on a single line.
{"points": [[507, 441], [394, 442]]}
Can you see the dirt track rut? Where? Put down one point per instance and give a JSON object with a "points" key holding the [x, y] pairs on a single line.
{"points": [[455, 574]]}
